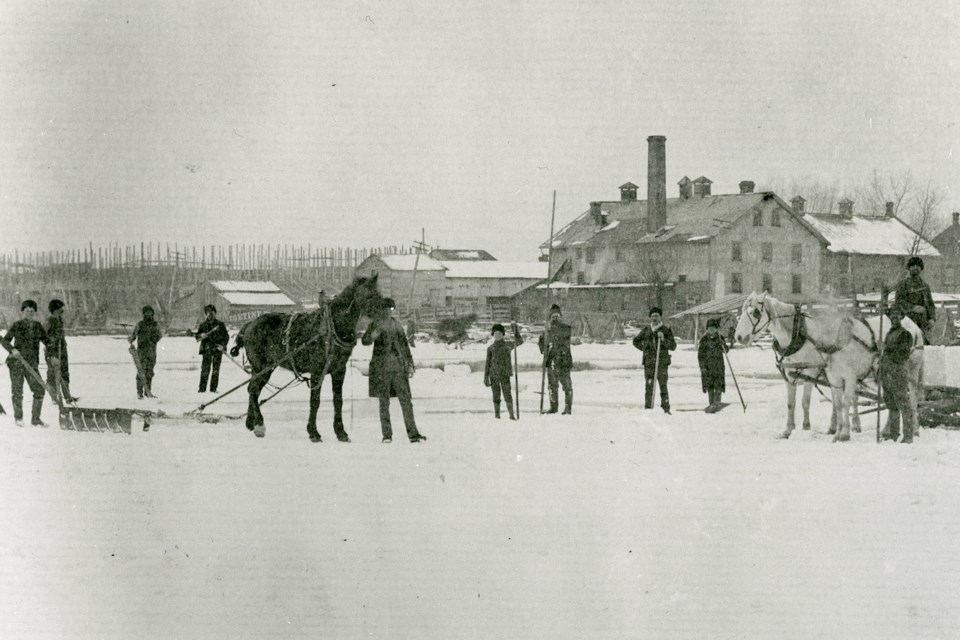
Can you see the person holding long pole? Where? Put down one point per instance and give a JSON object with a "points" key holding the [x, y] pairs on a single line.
{"points": [[656, 342], [546, 329], [497, 370], [555, 346]]}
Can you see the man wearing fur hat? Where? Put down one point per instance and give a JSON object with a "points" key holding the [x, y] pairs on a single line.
{"points": [[391, 367], [710, 352], [56, 354], [912, 296], [213, 338], [558, 361]]}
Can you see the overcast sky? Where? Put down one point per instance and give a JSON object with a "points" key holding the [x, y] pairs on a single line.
{"points": [[358, 123]]}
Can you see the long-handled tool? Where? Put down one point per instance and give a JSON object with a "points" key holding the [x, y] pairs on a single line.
{"points": [[882, 308], [141, 376], [735, 385], [546, 328], [656, 372], [516, 373]]}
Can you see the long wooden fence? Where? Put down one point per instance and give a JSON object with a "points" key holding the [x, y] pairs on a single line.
{"points": [[103, 285]]}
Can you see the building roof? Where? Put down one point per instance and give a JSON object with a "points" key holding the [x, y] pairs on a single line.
{"points": [[244, 285], [460, 254], [868, 235], [949, 235], [694, 219], [495, 269], [406, 262], [258, 299]]}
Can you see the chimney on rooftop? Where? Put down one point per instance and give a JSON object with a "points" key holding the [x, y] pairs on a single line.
{"points": [[846, 208], [656, 183], [595, 213], [686, 188], [628, 192], [889, 210], [746, 186], [956, 218], [701, 186], [798, 204]]}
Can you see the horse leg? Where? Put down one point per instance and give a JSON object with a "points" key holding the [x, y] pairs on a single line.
{"points": [[337, 378], [314, 407], [855, 412], [843, 398], [791, 407], [254, 415], [805, 403]]}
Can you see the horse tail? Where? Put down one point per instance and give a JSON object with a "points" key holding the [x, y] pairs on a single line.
{"points": [[235, 350]]}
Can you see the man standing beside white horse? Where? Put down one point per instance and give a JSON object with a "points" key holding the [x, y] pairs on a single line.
{"points": [[850, 347]]}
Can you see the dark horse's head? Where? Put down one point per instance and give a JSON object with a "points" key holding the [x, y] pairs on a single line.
{"points": [[362, 295]]}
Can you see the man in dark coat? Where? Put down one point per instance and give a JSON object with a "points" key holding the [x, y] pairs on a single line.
{"points": [[56, 353], [213, 338], [912, 296], [23, 339], [391, 366], [712, 370], [897, 347], [499, 369], [559, 361], [647, 341], [147, 335]]}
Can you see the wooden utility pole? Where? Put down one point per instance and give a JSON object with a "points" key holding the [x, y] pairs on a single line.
{"points": [[421, 246]]}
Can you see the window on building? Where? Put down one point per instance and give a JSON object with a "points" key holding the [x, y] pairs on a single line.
{"points": [[796, 254], [845, 264], [775, 218], [767, 251], [795, 283], [767, 283], [619, 254], [591, 255], [682, 277], [737, 255], [736, 283], [579, 254], [581, 277], [758, 218]]}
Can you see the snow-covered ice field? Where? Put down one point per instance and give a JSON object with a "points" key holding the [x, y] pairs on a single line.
{"points": [[611, 523]]}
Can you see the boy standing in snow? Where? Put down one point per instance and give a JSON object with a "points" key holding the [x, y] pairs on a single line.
{"points": [[712, 371], [897, 347], [499, 369], [23, 339], [56, 353], [656, 361]]}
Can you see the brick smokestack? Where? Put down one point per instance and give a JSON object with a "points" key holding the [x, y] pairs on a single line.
{"points": [[656, 183]]}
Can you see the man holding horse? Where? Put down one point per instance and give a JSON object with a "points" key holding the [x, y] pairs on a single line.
{"points": [[391, 366], [897, 347], [912, 296]]}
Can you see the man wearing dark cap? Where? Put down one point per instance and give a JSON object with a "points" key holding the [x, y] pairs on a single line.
{"points": [[23, 339], [656, 342], [391, 367], [213, 338], [147, 335], [56, 354], [558, 361], [498, 369], [912, 296]]}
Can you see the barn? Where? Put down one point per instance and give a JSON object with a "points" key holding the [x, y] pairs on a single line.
{"points": [[237, 301]]}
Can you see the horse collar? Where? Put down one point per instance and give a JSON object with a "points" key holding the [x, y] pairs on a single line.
{"points": [[797, 337]]}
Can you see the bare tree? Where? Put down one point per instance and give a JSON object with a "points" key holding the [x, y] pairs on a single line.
{"points": [[821, 197], [925, 214], [878, 190], [654, 264]]}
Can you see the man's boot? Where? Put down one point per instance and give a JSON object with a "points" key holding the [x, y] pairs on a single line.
{"points": [[510, 410], [907, 432], [496, 410], [892, 429]]}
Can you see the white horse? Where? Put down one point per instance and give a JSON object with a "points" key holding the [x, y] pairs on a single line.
{"points": [[849, 346], [798, 366]]}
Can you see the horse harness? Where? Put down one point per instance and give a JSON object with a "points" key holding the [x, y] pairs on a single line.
{"points": [[327, 333]]}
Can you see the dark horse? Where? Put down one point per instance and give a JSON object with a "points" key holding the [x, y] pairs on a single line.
{"points": [[309, 344]]}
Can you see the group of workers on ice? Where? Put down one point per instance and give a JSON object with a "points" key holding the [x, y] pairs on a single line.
{"points": [[392, 365]]}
